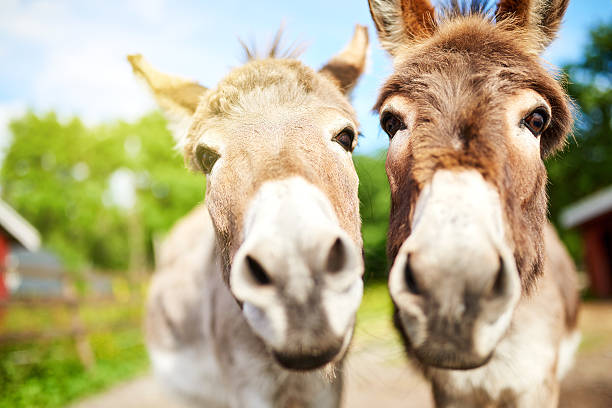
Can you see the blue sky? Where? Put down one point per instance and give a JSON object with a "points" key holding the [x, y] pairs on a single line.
{"points": [[69, 55]]}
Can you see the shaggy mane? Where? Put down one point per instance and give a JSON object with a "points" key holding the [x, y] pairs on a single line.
{"points": [[274, 50], [464, 8]]}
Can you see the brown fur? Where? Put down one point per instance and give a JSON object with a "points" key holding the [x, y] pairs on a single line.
{"points": [[387, 13], [542, 18], [518, 9], [458, 82], [419, 15], [346, 67]]}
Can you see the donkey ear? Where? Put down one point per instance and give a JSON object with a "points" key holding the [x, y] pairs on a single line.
{"points": [[542, 18], [177, 97], [346, 67], [401, 21]]}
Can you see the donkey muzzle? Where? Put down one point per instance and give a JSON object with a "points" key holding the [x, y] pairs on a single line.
{"points": [[454, 280]]}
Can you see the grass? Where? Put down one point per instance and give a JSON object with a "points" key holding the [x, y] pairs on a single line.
{"points": [[49, 373], [595, 326], [49, 317], [374, 318], [376, 303]]}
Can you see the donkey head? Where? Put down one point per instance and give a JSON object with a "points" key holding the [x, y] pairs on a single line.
{"points": [[275, 140], [470, 113]]}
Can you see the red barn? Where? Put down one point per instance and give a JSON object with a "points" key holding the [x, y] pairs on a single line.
{"points": [[593, 216], [14, 230]]}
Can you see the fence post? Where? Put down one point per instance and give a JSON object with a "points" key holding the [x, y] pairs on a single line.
{"points": [[79, 331]]}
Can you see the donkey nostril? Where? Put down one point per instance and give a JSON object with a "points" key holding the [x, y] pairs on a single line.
{"points": [[499, 286], [337, 256], [409, 278], [257, 271]]}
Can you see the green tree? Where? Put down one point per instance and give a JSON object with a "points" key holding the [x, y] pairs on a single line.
{"points": [[374, 197], [585, 166], [59, 177]]}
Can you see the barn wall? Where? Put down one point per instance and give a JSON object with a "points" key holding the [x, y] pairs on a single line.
{"points": [[597, 235]]}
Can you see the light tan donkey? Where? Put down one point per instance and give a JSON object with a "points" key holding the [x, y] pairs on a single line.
{"points": [[485, 293], [254, 300]]}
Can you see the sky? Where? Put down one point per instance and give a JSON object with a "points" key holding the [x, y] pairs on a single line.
{"points": [[68, 56]]}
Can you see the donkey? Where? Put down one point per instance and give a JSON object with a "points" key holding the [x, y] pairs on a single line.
{"points": [[254, 300], [485, 294]]}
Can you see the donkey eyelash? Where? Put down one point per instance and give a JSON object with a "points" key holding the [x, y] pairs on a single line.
{"points": [[542, 109]]}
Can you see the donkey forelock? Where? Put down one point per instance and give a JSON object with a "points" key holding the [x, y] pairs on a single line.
{"points": [[274, 50]]}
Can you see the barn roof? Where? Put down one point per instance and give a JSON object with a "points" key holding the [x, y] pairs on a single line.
{"points": [[588, 208], [18, 228]]}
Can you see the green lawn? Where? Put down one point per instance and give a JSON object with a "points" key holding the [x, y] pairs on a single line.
{"points": [[48, 373], [51, 375], [374, 319]]}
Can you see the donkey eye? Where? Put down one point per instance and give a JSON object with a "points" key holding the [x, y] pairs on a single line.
{"points": [[345, 139], [536, 121], [206, 158], [391, 124]]}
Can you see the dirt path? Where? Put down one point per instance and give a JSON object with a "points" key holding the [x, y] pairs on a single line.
{"points": [[378, 376], [371, 383], [589, 383], [143, 392]]}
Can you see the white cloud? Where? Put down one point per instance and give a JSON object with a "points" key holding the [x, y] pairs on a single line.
{"points": [[82, 69], [38, 21], [97, 83], [69, 55], [150, 10]]}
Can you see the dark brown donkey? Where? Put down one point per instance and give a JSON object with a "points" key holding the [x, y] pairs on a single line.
{"points": [[485, 293]]}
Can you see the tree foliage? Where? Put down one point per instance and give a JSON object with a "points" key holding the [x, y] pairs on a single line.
{"points": [[59, 177], [585, 166], [375, 200]]}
